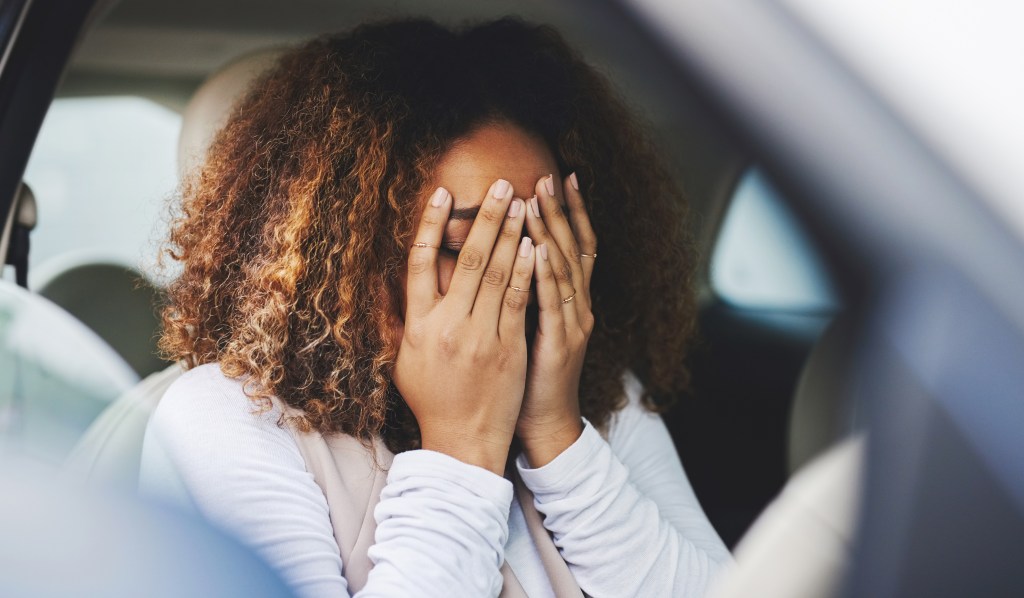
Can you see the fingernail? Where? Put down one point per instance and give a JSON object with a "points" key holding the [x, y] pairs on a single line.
{"points": [[437, 199], [513, 210], [543, 249], [549, 183], [535, 206], [572, 181], [501, 189], [524, 247]]}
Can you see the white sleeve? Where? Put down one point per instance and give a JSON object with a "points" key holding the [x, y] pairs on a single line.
{"points": [[442, 524], [441, 529], [624, 515]]}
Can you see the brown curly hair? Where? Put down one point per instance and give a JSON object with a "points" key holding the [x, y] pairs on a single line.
{"points": [[293, 233]]}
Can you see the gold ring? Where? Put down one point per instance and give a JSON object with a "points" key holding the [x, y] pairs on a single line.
{"points": [[518, 290], [569, 298], [590, 255], [424, 245]]}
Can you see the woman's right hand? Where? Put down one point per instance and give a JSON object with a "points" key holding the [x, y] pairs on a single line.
{"points": [[461, 365]]}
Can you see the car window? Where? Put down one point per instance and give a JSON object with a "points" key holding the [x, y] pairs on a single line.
{"points": [[102, 170], [763, 259]]}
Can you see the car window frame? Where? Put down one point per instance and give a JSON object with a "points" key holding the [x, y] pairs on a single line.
{"points": [[37, 37]]}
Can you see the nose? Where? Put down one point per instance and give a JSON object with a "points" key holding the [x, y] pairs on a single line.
{"points": [[532, 299]]}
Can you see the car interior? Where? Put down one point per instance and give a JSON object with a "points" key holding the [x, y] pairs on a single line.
{"points": [[773, 340]]}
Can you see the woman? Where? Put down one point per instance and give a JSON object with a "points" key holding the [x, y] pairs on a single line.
{"points": [[394, 239]]}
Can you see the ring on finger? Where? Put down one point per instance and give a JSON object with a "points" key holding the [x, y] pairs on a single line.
{"points": [[425, 245], [518, 290], [569, 298], [592, 256]]}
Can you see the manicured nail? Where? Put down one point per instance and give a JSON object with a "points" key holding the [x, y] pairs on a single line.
{"points": [[543, 249], [437, 199], [550, 184], [501, 189], [572, 181], [535, 206], [513, 209], [524, 247]]}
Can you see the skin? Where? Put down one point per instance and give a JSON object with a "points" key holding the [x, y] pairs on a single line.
{"points": [[465, 366]]}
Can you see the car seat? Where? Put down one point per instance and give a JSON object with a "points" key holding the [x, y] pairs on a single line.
{"points": [[802, 544], [111, 449], [117, 302], [823, 411]]}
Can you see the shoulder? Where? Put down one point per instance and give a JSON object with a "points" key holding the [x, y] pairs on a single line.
{"points": [[205, 413], [204, 392], [212, 448], [203, 381], [209, 431]]}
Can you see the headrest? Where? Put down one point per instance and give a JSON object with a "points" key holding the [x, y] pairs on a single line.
{"points": [[22, 213], [210, 106]]}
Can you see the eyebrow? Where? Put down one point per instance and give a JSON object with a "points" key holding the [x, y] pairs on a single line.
{"points": [[464, 213]]}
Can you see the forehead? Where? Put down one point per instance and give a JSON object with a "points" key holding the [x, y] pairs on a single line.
{"points": [[489, 153]]}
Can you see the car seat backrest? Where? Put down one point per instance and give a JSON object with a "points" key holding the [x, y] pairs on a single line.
{"points": [[115, 301], [823, 411], [802, 545], [111, 450]]}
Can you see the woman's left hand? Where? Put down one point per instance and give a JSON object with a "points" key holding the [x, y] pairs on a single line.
{"points": [[567, 247]]}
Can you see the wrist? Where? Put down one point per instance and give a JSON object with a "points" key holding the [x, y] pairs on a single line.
{"points": [[543, 443], [487, 453]]}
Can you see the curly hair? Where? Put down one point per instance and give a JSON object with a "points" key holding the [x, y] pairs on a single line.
{"points": [[292, 235]]}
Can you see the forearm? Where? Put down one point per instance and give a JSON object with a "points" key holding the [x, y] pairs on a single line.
{"points": [[614, 539]]}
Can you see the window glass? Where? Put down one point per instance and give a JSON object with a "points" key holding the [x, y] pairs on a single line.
{"points": [[102, 170], [763, 259]]}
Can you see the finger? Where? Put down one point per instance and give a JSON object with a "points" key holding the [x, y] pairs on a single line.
{"points": [[499, 266], [557, 224], [559, 267], [581, 227], [477, 250], [421, 284], [512, 321], [551, 319]]}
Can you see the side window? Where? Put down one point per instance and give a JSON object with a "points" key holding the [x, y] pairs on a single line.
{"points": [[102, 170], [763, 259]]}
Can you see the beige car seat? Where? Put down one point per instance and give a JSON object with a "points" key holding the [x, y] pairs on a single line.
{"points": [[802, 544], [823, 411], [110, 451], [117, 302]]}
